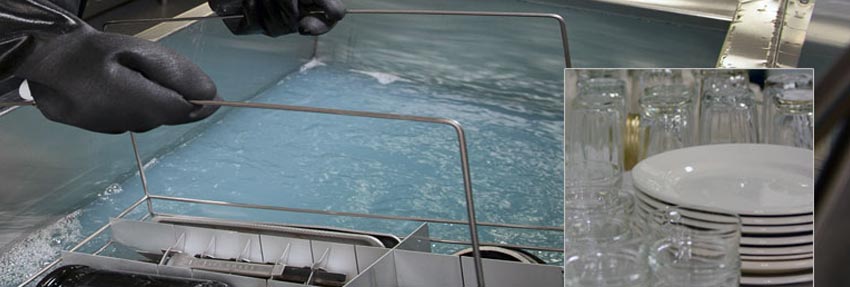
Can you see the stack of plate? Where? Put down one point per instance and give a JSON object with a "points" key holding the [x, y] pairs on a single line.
{"points": [[769, 187]]}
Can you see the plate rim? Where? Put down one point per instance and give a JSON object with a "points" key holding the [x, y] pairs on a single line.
{"points": [[640, 178], [745, 228], [778, 269], [787, 279], [745, 220], [784, 249], [780, 257]]}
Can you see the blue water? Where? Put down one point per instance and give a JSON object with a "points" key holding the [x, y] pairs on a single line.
{"points": [[372, 166]]}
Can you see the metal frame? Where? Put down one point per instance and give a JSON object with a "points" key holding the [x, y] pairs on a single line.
{"points": [[561, 23], [471, 221]]}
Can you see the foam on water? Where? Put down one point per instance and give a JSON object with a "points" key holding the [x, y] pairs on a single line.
{"points": [[383, 78], [315, 62], [39, 249]]}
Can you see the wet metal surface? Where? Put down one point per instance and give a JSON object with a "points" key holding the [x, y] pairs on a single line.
{"points": [[766, 33]]}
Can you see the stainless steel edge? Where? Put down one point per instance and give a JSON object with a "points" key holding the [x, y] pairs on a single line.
{"points": [[164, 29], [792, 34], [766, 34], [716, 9], [752, 34]]}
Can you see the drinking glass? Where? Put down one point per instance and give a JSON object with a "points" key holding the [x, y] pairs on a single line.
{"points": [[596, 215], [666, 121], [715, 79], [728, 114], [615, 264], [596, 122], [689, 252], [584, 75], [592, 173], [651, 78], [792, 121], [790, 110], [718, 79]]}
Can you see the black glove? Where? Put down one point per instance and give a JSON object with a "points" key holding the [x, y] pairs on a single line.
{"points": [[280, 17], [114, 83]]}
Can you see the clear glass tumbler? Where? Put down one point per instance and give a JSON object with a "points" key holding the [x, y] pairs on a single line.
{"points": [[596, 122], [792, 120], [728, 114], [596, 215], [716, 79], [695, 253], [790, 110], [584, 173], [614, 264], [666, 120], [644, 79]]}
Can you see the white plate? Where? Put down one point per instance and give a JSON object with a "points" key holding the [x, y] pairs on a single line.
{"points": [[780, 257], [745, 220], [776, 267], [778, 240], [778, 230], [747, 179], [776, 250], [777, 280]]}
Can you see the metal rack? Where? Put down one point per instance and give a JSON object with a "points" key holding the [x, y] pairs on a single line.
{"points": [[471, 221]]}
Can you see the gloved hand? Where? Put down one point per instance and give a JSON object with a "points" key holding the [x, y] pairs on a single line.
{"points": [[280, 17], [113, 83]]}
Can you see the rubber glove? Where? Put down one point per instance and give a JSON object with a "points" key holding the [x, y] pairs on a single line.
{"points": [[280, 17], [97, 81]]}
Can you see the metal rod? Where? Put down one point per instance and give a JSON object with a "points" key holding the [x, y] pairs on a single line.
{"points": [[159, 20], [82, 243], [141, 168], [328, 111], [103, 248], [461, 242], [16, 104], [562, 24], [352, 214]]}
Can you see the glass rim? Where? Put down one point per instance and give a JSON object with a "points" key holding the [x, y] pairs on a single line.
{"points": [[612, 173]]}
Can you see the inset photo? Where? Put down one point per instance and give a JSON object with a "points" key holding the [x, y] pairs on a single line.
{"points": [[678, 173]]}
